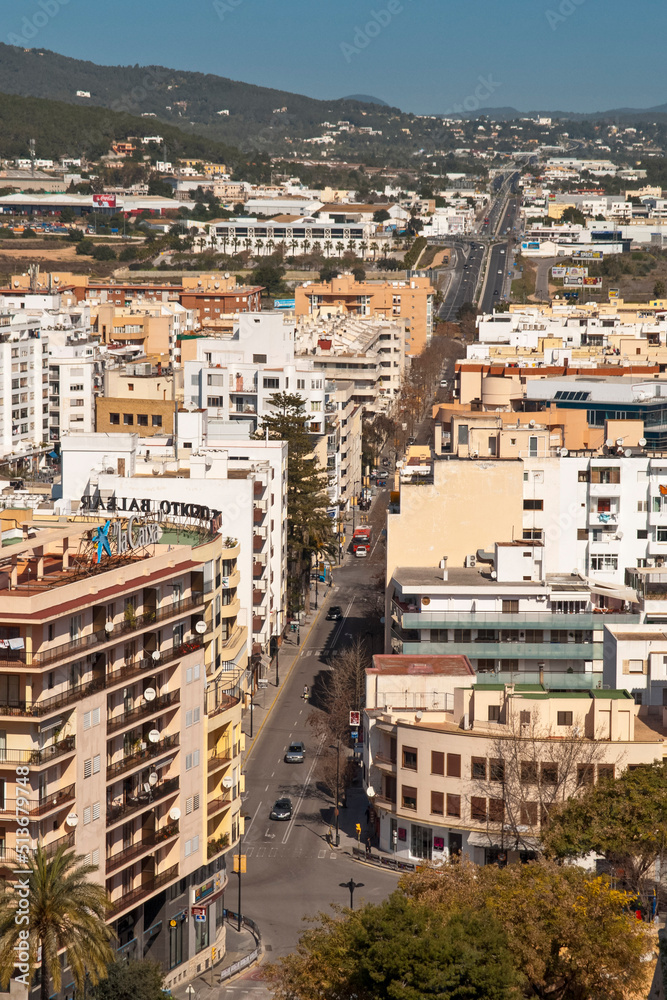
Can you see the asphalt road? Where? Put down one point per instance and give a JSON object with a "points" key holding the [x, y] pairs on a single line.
{"points": [[292, 873], [463, 279]]}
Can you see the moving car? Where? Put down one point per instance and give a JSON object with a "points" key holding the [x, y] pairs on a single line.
{"points": [[382, 482], [335, 613], [385, 463], [282, 809], [295, 753]]}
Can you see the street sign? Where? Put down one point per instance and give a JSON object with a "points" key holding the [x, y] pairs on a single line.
{"points": [[355, 719], [199, 913], [354, 733]]}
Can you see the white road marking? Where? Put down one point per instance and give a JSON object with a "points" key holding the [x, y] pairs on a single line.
{"points": [[341, 625], [322, 854], [266, 789], [246, 832], [334, 855], [302, 795]]}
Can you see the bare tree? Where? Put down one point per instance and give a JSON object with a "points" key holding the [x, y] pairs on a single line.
{"points": [[531, 770]]}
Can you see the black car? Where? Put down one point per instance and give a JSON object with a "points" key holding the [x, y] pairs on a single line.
{"points": [[335, 613], [282, 809], [385, 463]]}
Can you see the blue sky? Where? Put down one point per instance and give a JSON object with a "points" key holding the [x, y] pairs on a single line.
{"points": [[425, 56]]}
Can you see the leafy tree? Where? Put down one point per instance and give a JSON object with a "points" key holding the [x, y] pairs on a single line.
{"points": [[66, 912], [571, 935], [309, 529], [573, 215], [129, 253], [66, 215], [328, 272], [131, 981], [658, 289], [270, 276], [381, 215], [86, 247], [359, 273], [401, 950], [624, 820], [159, 187], [104, 252]]}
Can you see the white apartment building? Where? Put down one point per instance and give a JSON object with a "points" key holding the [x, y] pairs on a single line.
{"points": [[368, 351], [297, 234], [233, 378], [75, 378], [24, 374]]}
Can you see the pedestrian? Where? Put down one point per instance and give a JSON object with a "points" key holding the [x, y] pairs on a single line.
{"points": [[305, 692], [368, 846]]}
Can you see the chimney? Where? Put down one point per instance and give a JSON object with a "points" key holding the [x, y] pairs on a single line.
{"points": [[443, 567]]}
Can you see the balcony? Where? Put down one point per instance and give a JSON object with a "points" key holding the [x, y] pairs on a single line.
{"points": [[385, 762], [103, 638], [545, 619], [132, 898], [214, 806], [37, 757], [219, 758], [151, 752], [508, 650], [147, 710], [217, 702], [65, 841], [130, 804], [129, 854], [55, 800]]}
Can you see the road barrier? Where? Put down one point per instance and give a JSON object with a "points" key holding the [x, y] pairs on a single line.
{"points": [[247, 960], [395, 864]]}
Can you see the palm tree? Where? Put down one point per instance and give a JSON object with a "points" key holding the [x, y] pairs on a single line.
{"points": [[363, 246], [270, 244], [375, 247], [340, 247], [327, 247], [66, 912]]}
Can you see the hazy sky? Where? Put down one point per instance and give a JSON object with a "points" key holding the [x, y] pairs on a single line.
{"points": [[421, 55]]}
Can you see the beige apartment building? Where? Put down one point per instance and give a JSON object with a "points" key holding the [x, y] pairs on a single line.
{"points": [[454, 766], [410, 300], [113, 699]]}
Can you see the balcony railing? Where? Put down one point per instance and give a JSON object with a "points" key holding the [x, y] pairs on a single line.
{"points": [[143, 799], [36, 757], [66, 841], [102, 637], [150, 752], [215, 805], [149, 708], [56, 800], [155, 883], [218, 758], [129, 854]]}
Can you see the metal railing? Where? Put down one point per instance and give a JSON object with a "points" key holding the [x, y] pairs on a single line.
{"points": [[213, 805], [149, 708], [37, 757], [122, 902], [144, 799], [151, 751], [129, 854]]}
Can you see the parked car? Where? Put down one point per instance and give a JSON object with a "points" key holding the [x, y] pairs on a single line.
{"points": [[335, 613], [382, 482], [295, 753], [282, 809]]}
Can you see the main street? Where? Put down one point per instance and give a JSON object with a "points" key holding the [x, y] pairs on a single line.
{"points": [[292, 872]]}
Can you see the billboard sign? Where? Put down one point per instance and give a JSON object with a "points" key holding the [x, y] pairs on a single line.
{"points": [[284, 303], [613, 293], [558, 271], [104, 200], [355, 719], [530, 245], [572, 281], [588, 254], [593, 282]]}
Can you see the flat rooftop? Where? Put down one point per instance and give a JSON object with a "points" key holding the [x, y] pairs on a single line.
{"points": [[427, 578], [424, 666]]}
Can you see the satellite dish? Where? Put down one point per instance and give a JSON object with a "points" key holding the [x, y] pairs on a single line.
{"points": [[108, 628], [619, 535], [155, 655], [620, 451], [370, 792], [200, 627], [149, 694], [154, 736], [619, 441], [609, 442], [175, 813], [227, 781], [72, 819], [564, 452], [642, 442], [152, 778]]}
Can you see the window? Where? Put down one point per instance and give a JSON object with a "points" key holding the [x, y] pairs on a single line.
{"points": [[524, 718], [662, 534], [635, 666], [438, 803], [96, 764], [96, 810], [528, 772], [494, 713], [582, 534], [642, 533], [510, 607], [437, 762], [114, 418], [496, 810], [478, 808], [564, 718], [271, 383], [463, 433], [128, 419], [87, 768], [188, 806], [130, 386], [301, 383], [497, 770], [409, 797], [453, 765], [585, 774], [550, 773], [533, 505], [528, 814], [142, 419], [604, 562], [192, 760], [453, 805], [156, 420], [86, 815], [259, 359], [478, 768], [410, 758], [604, 474], [605, 771]]}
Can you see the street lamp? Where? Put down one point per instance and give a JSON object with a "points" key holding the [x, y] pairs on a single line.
{"points": [[351, 885], [337, 843]]}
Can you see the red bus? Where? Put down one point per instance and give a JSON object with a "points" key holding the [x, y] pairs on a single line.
{"points": [[361, 542]]}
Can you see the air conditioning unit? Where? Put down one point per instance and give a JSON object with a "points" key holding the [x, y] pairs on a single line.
{"points": [[471, 561]]}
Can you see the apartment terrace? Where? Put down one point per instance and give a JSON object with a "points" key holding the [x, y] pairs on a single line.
{"points": [[131, 898], [129, 854], [129, 804]]}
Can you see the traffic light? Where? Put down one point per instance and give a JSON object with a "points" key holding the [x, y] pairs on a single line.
{"points": [[213, 955]]}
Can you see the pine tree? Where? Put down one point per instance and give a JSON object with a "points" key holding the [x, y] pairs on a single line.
{"points": [[309, 529]]}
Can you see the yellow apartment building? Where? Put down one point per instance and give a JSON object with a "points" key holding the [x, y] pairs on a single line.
{"points": [[114, 700]]}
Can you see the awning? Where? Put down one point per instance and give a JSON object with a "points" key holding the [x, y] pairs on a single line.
{"points": [[51, 724], [54, 454], [495, 840], [614, 590]]}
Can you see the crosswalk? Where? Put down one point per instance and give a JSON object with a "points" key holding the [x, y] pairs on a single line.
{"points": [[259, 851]]}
